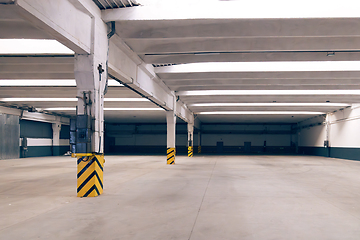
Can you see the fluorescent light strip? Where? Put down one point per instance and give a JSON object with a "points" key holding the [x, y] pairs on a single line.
{"points": [[133, 109], [106, 109], [269, 105], [38, 99], [267, 92], [38, 83], [255, 9], [47, 83], [289, 66], [33, 46], [126, 100], [58, 109], [70, 99], [261, 113]]}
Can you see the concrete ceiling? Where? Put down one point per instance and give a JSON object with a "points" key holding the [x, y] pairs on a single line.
{"points": [[187, 41], [158, 40]]}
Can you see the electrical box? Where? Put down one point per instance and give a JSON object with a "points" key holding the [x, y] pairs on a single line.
{"points": [[326, 144], [80, 134], [83, 135], [72, 137], [72, 125], [82, 121]]}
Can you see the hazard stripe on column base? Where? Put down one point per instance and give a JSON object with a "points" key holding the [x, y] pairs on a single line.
{"points": [[170, 156], [190, 151], [199, 149], [90, 175]]}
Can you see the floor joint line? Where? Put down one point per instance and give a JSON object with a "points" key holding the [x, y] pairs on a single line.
{"points": [[197, 215]]}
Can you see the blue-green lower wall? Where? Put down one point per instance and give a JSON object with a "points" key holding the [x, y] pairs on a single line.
{"points": [[42, 151], [317, 151], [60, 150], [182, 150], [334, 152]]}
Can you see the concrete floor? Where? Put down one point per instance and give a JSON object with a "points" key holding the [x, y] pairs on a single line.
{"points": [[200, 198]]}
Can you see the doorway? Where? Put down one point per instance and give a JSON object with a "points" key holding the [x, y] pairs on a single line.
{"points": [[247, 147], [220, 147]]}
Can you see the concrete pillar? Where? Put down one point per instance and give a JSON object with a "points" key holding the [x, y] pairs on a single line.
{"points": [[199, 142], [298, 138], [171, 136], [90, 101], [190, 128], [56, 127], [90, 75], [327, 136]]}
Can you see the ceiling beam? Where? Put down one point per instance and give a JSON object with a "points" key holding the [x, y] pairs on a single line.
{"points": [[35, 116], [73, 30], [126, 66], [243, 44], [164, 58]]}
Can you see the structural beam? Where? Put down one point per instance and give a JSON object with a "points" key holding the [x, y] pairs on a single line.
{"points": [[190, 129], [51, 18], [35, 116], [242, 44], [56, 127], [161, 58], [126, 66], [171, 137]]}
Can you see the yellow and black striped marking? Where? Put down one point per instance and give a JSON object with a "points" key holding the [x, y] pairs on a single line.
{"points": [[199, 149], [170, 155], [90, 175], [190, 151]]}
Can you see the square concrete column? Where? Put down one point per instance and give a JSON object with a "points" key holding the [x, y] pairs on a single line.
{"points": [[190, 128], [56, 127], [199, 142], [91, 78], [171, 136]]}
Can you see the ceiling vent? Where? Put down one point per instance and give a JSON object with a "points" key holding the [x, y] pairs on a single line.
{"points": [[112, 4]]}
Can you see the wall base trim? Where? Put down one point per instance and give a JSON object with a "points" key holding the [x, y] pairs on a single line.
{"points": [[333, 152]]}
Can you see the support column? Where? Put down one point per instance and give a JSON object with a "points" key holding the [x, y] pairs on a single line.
{"points": [[171, 136], [90, 75], [327, 136], [56, 127], [190, 127], [199, 142]]}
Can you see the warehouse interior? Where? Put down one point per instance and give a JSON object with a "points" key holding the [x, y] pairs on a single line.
{"points": [[217, 119]]}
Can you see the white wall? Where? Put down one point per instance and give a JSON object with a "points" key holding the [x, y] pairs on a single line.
{"points": [[312, 136], [344, 130], [239, 139], [231, 135], [149, 140]]}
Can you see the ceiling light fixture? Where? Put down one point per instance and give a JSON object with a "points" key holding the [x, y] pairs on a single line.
{"points": [[105, 109], [267, 92], [261, 113], [284, 66], [33, 46], [269, 104], [47, 83], [70, 100], [126, 100], [134, 109]]}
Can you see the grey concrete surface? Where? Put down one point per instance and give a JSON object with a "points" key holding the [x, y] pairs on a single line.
{"points": [[199, 198]]}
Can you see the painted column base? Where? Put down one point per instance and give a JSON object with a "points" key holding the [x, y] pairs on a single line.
{"points": [[199, 149], [90, 167], [190, 151], [170, 156]]}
